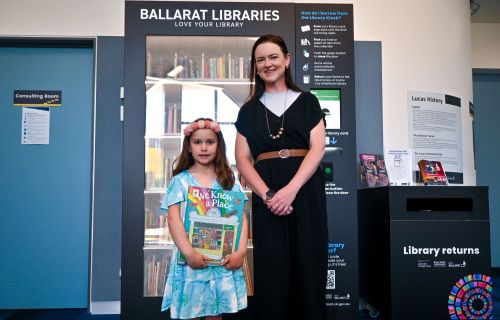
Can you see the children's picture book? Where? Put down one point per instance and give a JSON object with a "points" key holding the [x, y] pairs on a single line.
{"points": [[432, 173], [373, 171], [213, 222]]}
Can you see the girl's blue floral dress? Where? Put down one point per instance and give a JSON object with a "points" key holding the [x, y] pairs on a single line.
{"points": [[196, 293]]}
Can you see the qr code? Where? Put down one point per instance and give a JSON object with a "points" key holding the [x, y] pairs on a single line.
{"points": [[330, 279]]}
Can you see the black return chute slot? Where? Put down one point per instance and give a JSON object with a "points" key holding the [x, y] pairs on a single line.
{"points": [[439, 204]]}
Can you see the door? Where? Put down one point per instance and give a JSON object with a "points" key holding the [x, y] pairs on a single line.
{"points": [[45, 189]]}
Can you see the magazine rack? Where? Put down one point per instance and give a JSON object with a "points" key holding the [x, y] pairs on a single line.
{"points": [[424, 252]]}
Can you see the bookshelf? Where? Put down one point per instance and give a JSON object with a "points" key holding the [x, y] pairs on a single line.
{"points": [[187, 77]]}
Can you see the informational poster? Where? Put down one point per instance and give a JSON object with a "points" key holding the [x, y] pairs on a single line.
{"points": [[36, 113], [398, 163], [35, 126], [435, 132], [324, 57]]}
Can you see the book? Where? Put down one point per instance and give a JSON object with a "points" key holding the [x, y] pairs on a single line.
{"points": [[155, 273], [247, 268], [373, 171], [432, 173], [213, 221]]}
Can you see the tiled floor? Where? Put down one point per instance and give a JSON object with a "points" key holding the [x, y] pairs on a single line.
{"points": [[81, 314]]}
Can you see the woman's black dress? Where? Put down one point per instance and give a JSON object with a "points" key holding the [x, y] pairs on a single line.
{"points": [[290, 252]]}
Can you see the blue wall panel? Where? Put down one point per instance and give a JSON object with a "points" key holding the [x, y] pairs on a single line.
{"points": [[487, 154], [45, 189]]}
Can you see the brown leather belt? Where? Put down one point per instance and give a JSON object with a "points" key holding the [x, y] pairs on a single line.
{"points": [[283, 153]]}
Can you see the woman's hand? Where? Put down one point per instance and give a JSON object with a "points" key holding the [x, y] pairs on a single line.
{"points": [[233, 261], [197, 260], [281, 203]]}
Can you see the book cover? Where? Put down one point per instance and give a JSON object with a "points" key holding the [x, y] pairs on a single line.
{"points": [[373, 171], [213, 222], [432, 173]]}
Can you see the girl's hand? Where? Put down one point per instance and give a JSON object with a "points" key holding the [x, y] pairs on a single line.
{"points": [[197, 260], [281, 203], [233, 261]]}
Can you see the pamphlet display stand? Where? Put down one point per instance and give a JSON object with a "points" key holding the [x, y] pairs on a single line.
{"points": [[424, 252]]}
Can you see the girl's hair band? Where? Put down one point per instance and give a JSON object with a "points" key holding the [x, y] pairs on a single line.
{"points": [[201, 124]]}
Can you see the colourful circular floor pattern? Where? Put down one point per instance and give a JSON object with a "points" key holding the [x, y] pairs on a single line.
{"points": [[471, 298]]}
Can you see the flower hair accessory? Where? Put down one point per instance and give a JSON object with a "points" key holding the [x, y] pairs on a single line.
{"points": [[201, 124]]}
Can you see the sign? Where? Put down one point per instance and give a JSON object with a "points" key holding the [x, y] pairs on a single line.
{"points": [[435, 132], [35, 126], [324, 57], [37, 98], [398, 164]]}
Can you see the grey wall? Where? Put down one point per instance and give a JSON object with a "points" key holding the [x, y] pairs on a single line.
{"points": [[486, 88], [369, 122], [107, 218]]}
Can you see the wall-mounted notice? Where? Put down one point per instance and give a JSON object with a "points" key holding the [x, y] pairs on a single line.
{"points": [[35, 126], [435, 131], [37, 98], [325, 39]]}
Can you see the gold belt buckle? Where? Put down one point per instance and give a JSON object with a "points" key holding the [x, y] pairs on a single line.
{"points": [[284, 153]]}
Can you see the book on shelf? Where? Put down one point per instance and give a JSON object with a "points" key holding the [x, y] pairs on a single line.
{"points": [[432, 173], [213, 221], [156, 230], [173, 119], [248, 211], [204, 66], [372, 170], [248, 274], [155, 273], [241, 68], [154, 167]]}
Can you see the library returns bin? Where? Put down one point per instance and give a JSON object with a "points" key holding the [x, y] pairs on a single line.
{"points": [[424, 252]]}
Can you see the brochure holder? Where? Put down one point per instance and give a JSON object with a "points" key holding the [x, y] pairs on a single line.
{"points": [[424, 252]]}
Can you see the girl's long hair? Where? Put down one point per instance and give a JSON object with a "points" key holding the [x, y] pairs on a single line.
{"points": [[223, 171], [257, 89]]}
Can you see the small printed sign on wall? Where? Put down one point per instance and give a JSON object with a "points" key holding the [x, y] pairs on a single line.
{"points": [[37, 98], [35, 126]]}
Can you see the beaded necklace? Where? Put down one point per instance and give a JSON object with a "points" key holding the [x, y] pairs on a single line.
{"points": [[282, 128]]}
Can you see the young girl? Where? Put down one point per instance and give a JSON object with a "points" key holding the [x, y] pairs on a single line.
{"points": [[197, 290]]}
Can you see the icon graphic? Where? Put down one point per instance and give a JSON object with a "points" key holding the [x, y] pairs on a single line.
{"points": [[305, 28], [306, 79], [306, 53], [305, 67], [304, 42], [471, 298]]}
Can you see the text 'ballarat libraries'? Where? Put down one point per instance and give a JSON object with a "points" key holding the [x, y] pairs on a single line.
{"points": [[206, 14]]}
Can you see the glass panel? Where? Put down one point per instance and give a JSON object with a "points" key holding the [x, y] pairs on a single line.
{"points": [[186, 78]]}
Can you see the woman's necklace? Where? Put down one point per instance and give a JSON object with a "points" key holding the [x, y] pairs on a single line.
{"points": [[282, 128]]}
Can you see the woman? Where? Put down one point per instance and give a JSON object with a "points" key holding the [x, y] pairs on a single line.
{"points": [[283, 131]]}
